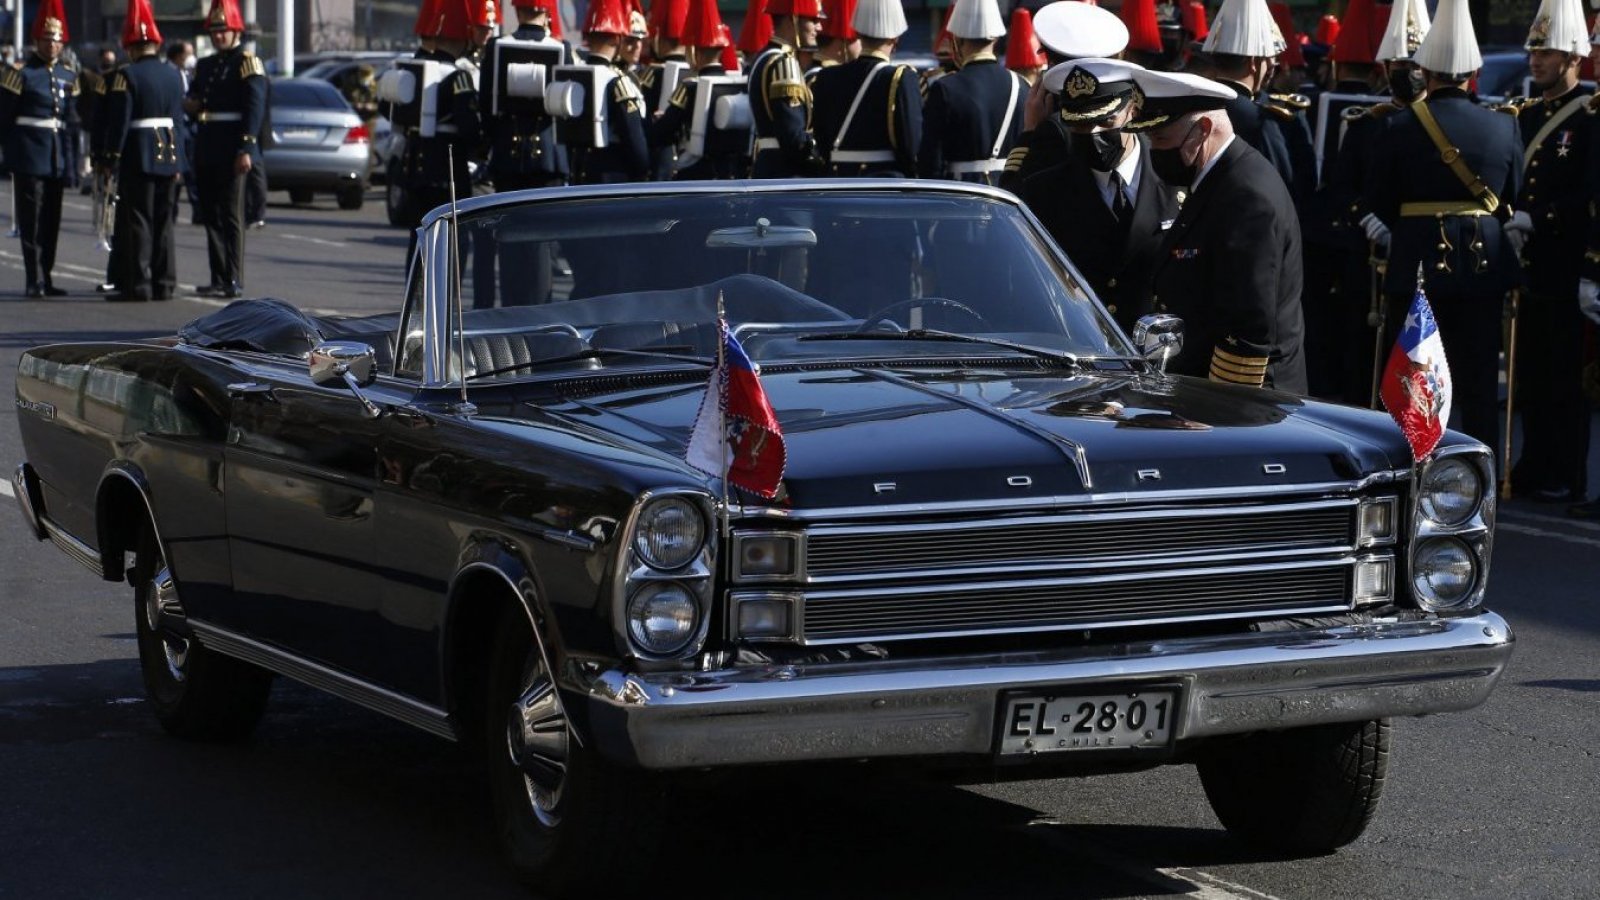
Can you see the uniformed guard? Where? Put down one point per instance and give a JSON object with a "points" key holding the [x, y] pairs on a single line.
{"points": [[723, 156], [1243, 45], [428, 159], [659, 80], [1067, 30], [626, 156], [868, 119], [1442, 172], [524, 152], [780, 101], [972, 119], [1104, 205], [39, 118], [228, 98], [1231, 265], [142, 144], [1558, 132]]}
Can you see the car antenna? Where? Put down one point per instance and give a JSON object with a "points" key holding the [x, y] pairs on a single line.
{"points": [[466, 408]]}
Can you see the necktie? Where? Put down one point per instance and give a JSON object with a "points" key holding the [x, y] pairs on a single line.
{"points": [[1121, 209]]}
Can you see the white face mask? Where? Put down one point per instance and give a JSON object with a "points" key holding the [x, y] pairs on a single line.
{"points": [[188, 64]]}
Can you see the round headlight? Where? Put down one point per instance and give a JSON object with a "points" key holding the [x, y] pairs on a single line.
{"points": [[1443, 571], [670, 533], [663, 618], [1451, 490]]}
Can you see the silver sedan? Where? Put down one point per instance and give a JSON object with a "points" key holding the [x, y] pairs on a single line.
{"points": [[318, 143]]}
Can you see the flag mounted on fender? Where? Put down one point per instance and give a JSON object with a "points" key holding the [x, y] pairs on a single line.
{"points": [[1416, 381], [736, 435]]}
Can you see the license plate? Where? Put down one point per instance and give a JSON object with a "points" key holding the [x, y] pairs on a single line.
{"points": [[301, 134], [1087, 721]]}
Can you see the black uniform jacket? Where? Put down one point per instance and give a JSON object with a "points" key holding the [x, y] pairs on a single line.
{"points": [[232, 89], [141, 91], [724, 149], [1554, 189], [460, 127], [523, 142], [626, 157], [1119, 263], [1231, 269], [962, 116], [1406, 168], [888, 119], [780, 107], [1047, 145], [38, 117], [1261, 129]]}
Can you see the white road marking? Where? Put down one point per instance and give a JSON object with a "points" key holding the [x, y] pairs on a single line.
{"points": [[312, 240], [1191, 882], [1518, 528], [5, 488], [1537, 518]]}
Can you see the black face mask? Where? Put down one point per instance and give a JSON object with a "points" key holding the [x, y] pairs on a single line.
{"points": [[1406, 84], [1169, 165], [1102, 150]]}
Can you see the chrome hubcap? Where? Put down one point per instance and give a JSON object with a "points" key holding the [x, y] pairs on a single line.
{"points": [[536, 735], [161, 598]]}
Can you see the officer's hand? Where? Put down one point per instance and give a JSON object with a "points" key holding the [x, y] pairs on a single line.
{"points": [[1517, 230], [1589, 299], [241, 164], [1377, 232], [1038, 106]]}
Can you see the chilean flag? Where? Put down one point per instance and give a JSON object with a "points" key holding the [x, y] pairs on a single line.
{"points": [[736, 435], [1416, 381]]}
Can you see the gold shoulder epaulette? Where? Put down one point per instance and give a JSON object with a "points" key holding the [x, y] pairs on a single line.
{"points": [[1294, 101], [1281, 113], [784, 79], [680, 97], [10, 79], [647, 78], [250, 66], [1380, 110], [1352, 113], [119, 83]]}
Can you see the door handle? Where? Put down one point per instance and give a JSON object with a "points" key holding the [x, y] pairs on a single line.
{"points": [[251, 389]]}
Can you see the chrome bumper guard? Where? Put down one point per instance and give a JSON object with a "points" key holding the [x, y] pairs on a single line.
{"points": [[920, 708]]}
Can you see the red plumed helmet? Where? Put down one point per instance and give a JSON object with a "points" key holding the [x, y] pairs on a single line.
{"points": [[730, 53], [427, 19], [1194, 20], [1291, 55], [485, 13], [140, 24], [549, 6], [456, 19], [757, 28], [1144, 32], [607, 17], [668, 17], [805, 9], [944, 42], [1327, 30], [50, 22], [838, 23], [1360, 33], [702, 26], [225, 16], [1022, 45]]}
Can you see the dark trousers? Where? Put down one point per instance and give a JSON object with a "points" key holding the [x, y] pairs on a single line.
{"points": [[255, 194], [1549, 394], [222, 212], [1470, 325], [39, 220], [143, 252]]}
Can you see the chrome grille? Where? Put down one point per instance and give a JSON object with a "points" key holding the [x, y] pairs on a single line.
{"points": [[1099, 601], [841, 554]]}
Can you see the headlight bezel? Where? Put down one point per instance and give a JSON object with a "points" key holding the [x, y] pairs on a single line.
{"points": [[1475, 531], [1431, 600], [650, 590], [1428, 507], [634, 573]]}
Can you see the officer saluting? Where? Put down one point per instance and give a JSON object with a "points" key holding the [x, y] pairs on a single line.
{"points": [[142, 146], [1231, 266], [1561, 150], [229, 99], [869, 112], [972, 118], [1442, 171], [780, 102], [39, 120]]}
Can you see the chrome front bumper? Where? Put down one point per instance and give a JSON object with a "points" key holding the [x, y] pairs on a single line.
{"points": [[922, 708]]}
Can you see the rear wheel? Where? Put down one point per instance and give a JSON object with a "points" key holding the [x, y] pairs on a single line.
{"points": [[302, 196], [353, 197], [195, 692], [1301, 791]]}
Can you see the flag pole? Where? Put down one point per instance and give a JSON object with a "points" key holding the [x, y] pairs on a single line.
{"points": [[724, 527]]}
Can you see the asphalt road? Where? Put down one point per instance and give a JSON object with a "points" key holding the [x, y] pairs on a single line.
{"points": [[329, 800]]}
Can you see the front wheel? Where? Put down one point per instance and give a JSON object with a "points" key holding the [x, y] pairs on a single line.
{"points": [[196, 693], [1302, 791]]}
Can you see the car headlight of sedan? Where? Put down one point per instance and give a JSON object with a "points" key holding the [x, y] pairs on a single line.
{"points": [[1451, 490], [1452, 531], [663, 617], [1443, 572], [670, 533], [664, 578]]}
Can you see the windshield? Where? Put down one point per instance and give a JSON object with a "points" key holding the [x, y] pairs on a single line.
{"points": [[854, 276]]}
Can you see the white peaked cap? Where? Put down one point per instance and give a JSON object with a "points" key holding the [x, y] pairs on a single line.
{"points": [[1245, 28], [1072, 29], [1451, 47], [1408, 25], [977, 20], [1559, 25], [882, 19], [1105, 71]]}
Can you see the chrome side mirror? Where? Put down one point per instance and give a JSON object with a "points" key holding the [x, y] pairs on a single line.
{"points": [[354, 364], [1159, 338]]}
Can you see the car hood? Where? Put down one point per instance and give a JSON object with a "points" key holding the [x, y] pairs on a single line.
{"points": [[868, 437]]}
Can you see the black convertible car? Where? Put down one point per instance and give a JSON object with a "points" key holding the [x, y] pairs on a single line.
{"points": [[1004, 541]]}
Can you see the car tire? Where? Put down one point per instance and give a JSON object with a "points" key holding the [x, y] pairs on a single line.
{"points": [[1302, 791], [353, 197], [302, 196], [196, 693], [560, 827]]}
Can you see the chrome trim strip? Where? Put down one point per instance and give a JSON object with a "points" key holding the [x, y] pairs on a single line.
{"points": [[1148, 566], [362, 693], [1092, 517], [22, 482], [942, 707], [84, 554]]}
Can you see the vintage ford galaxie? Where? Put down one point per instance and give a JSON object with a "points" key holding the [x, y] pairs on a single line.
{"points": [[1005, 541]]}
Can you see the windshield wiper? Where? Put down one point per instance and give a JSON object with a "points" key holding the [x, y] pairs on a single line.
{"points": [[929, 334], [594, 353]]}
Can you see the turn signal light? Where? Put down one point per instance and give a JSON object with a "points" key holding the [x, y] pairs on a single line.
{"points": [[358, 135]]}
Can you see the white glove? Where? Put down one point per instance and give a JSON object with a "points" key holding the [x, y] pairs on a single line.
{"points": [[1377, 232], [1589, 299], [1517, 229]]}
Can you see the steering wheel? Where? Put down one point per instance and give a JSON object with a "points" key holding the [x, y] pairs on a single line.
{"points": [[884, 313]]}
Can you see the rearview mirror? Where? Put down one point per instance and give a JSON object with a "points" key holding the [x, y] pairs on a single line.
{"points": [[354, 364], [1159, 338], [761, 236]]}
